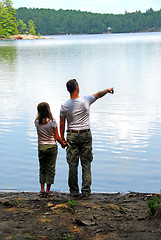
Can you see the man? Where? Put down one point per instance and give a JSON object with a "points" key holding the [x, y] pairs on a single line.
{"points": [[79, 139]]}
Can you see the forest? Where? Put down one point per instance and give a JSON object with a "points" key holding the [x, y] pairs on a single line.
{"points": [[50, 21]]}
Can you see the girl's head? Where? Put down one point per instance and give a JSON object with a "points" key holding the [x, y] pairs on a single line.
{"points": [[44, 113]]}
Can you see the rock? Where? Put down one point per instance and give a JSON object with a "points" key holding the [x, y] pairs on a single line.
{"points": [[84, 222], [114, 207], [111, 207]]}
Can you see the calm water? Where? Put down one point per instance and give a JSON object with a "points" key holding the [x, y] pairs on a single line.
{"points": [[126, 126]]}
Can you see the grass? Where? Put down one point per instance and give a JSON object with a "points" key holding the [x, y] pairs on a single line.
{"points": [[65, 236], [153, 203], [72, 203]]}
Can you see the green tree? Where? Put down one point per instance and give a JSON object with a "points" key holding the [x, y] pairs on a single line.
{"points": [[1, 31], [7, 19], [31, 27], [21, 26], [7, 3]]}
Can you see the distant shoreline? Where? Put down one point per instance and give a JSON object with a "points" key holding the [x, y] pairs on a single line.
{"points": [[32, 37], [27, 37]]}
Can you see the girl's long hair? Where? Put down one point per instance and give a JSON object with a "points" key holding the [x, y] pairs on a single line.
{"points": [[44, 113]]}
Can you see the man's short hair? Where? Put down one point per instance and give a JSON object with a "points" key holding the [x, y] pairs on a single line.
{"points": [[71, 85]]}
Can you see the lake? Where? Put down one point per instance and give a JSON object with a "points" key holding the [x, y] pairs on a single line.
{"points": [[126, 126]]}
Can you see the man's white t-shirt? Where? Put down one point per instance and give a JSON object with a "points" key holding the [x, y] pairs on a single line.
{"points": [[77, 112]]}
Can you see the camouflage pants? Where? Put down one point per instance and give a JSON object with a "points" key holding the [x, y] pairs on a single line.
{"points": [[47, 159], [79, 145]]}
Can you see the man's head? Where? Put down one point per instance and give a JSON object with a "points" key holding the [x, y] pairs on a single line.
{"points": [[72, 85]]}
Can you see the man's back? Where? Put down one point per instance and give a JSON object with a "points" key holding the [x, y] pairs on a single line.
{"points": [[77, 112]]}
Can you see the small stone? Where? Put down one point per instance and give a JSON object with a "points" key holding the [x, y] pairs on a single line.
{"points": [[85, 222]]}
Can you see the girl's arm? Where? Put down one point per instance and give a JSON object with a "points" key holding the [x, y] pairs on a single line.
{"points": [[58, 138]]}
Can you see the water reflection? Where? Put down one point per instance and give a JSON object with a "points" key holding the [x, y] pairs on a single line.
{"points": [[8, 54]]}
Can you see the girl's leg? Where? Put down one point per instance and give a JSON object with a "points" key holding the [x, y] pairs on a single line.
{"points": [[42, 166], [50, 165], [48, 188], [42, 187]]}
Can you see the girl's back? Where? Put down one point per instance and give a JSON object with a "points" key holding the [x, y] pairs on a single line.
{"points": [[45, 132]]}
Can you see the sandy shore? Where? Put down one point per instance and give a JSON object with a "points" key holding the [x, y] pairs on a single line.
{"points": [[27, 37], [26, 215]]}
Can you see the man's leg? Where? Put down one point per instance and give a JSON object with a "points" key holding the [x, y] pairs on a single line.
{"points": [[73, 160], [86, 176], [86, 159]]}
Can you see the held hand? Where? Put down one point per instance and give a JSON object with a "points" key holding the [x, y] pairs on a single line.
{"points": [[64, 144], [111, 90]]}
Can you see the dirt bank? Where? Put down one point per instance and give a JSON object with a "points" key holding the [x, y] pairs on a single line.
{"points": [[100, 216]]}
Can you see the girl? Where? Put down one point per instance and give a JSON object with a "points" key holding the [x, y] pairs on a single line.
{"points": [[47, 148]]}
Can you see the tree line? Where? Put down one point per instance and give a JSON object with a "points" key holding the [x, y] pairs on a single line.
{"points": [[50, 21]]}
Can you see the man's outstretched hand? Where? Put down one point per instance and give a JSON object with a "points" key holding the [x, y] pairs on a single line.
{"points": [[111, 90], [103, 93]]}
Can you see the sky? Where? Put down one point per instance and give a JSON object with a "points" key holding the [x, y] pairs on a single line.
{"points": [[96, 6]]}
